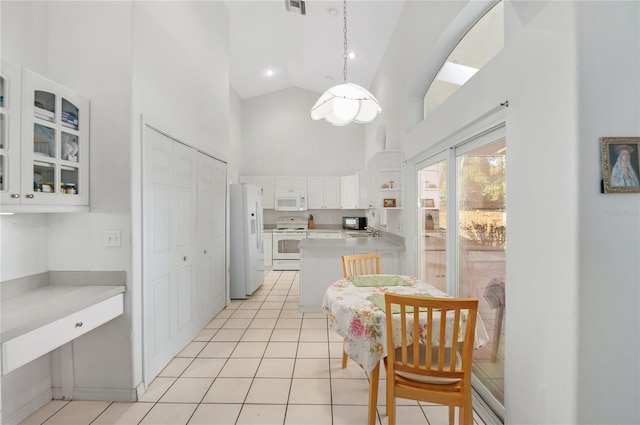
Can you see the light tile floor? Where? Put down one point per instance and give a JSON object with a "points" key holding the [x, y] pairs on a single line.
{"points": [[259, 361]]}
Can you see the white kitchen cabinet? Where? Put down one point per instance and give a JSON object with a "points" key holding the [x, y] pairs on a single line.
{"points": [[328, 235], [353, 191], [384, 171], [347, 192], [324, 192], [267, 244], [267, 183], [45, 144], [291, 183], [10, 191]]}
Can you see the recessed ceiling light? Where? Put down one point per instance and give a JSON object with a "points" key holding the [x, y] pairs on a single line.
{"points": [[352, 55], [329, 78], [270, 72], [333, 12]]}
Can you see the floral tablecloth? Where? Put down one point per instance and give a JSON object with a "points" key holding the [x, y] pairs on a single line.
{"points": [[363, 324]]}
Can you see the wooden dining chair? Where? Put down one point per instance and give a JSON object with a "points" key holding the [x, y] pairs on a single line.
{"points": [[429, 365], [357, 265]]}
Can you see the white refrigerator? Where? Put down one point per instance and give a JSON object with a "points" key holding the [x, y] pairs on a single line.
{"points": [[247, 271]]}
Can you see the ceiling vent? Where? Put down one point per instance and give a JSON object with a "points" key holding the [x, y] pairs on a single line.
{"points": [[296, 6]]}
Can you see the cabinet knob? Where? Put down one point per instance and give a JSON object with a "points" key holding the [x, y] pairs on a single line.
{"points": [[184, 258], [15, 195], [79, 324], [30, 195], [205, 251]]}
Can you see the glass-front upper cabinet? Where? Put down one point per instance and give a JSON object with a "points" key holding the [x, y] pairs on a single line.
{"points": [[55, 135], [10, 100]]}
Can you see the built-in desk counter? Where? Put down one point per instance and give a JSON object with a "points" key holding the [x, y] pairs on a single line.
{"points": [[43, 312]]}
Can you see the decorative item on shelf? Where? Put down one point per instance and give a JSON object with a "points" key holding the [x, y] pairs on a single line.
{"points": [[385, 186], [70, 188], [428, 203], [391, 184], [389, 202], [69, 119], [346, 102]]}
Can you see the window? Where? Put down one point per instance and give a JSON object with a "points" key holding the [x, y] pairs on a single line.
{"points": [[478, 46]]}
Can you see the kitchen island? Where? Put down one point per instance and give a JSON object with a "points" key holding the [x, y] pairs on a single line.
{"points": [[321, 264]]}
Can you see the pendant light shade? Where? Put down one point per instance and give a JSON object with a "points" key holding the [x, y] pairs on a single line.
{"points": [[346, 102]]}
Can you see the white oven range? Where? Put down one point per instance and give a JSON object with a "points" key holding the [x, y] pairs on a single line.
{"points": [[287, 235]]}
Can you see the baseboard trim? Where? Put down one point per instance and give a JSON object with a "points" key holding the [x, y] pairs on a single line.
{"points": [[28, 409], [104, 394], [140, 391]]}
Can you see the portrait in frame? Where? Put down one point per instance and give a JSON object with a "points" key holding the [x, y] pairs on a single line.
{"points": [[620, 164]]}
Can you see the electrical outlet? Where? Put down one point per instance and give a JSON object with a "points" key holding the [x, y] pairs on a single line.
{"points": [[112, 238]]}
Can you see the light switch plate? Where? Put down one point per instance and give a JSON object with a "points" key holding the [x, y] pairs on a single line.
{"points": [[112, 238]]}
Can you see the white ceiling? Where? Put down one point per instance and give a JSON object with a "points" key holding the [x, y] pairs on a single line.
{"points": [[305, 50]]}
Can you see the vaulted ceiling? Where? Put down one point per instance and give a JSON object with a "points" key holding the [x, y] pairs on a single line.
{"points": [[306, 51]]}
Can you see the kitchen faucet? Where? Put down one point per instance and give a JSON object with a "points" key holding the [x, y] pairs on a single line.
{"points": [[374, 232]]}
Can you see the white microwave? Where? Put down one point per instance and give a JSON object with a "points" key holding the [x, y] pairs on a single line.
{"points": [[291, 200]]}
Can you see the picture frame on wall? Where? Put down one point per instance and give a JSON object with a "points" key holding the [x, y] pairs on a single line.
{"points": [[389, 202], [620, 164]]}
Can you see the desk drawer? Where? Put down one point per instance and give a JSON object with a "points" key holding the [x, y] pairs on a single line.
{"points": [[25, 348]]}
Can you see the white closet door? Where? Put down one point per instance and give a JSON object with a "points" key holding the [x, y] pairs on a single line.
{"points": [[185, 183], [211, 237], [169, 220]]}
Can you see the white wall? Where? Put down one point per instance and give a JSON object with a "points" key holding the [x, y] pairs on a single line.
{"points": [[570, 288], [279, 138], [165, 60], [608, 224]]}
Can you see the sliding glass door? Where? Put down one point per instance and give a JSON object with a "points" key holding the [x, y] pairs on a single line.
{"points": [[432, 223], [463, 190]]}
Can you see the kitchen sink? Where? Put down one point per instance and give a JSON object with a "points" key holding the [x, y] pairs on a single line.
{"points": [[361, 235]]}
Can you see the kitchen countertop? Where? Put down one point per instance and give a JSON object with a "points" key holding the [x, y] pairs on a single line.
{"points": [[372, 243]]}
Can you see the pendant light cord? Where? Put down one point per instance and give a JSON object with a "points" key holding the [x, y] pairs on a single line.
{"points": [[344, 14]]}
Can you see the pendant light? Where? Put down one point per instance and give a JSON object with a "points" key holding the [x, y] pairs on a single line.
{"points": [[346, 102]]}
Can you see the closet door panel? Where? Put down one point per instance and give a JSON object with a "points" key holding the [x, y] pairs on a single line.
{"points": [[205, 240], [211, 236], [185, 166], [158, 251]]}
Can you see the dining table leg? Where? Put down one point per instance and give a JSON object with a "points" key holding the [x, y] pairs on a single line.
{"points": [[373, 394]]}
